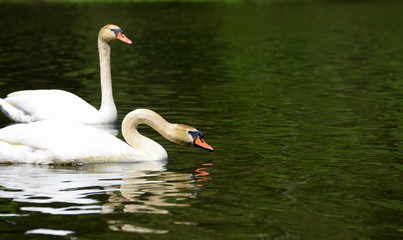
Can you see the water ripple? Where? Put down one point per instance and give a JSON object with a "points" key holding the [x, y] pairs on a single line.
{"points": [[76, 190]]}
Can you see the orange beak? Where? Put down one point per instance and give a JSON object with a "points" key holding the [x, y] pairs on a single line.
{"points": [[123, 38], [202, 144]]}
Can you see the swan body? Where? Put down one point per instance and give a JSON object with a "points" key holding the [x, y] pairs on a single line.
{"points": [[35, 105], [57, 141]]}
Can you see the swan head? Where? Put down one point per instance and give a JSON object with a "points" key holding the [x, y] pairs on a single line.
{"points": [[187, 135], [112, 32]]}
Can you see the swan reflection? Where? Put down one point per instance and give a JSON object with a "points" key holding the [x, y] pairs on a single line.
{"points": [[137, 187], [137, 195]]}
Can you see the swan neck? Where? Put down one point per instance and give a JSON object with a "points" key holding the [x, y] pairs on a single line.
{"points": [[107, 103], [140, 142]]}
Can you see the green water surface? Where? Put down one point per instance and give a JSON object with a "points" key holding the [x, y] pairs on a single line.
{"points": [[302, 101]]}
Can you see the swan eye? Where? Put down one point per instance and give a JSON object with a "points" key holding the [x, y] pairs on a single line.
{"points": [[116, 31], [193, 134], [196, 133]]}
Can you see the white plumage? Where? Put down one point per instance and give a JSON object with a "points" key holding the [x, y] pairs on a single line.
{"points": [[57, 141], [53, 141]]}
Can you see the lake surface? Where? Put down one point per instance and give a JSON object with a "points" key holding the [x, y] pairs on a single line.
{"points": [[302, 102]]}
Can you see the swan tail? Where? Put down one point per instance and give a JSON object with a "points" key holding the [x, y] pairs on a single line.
{"points": [[13, 113]]}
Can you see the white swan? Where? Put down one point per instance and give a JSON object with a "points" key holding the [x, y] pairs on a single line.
{"points": [[55, 141], [36, 105]]}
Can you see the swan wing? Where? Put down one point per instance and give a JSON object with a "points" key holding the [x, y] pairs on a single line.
{"points": [[53, 141], [36, 105]]}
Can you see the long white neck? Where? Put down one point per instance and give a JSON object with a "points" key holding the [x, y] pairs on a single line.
{"points": [[108, 107], [150, 149]]}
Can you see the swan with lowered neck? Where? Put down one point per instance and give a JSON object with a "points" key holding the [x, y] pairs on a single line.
{"points": [[35, 105], [55, 141]]}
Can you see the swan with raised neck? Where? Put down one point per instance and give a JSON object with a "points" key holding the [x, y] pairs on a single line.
{"points": [[36, 105]]}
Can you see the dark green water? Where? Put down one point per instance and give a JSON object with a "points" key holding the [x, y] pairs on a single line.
{"points": [[301, 100]]}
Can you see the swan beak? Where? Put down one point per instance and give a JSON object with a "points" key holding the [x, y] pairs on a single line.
{"points": [[199, 142], [123, 38]]}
